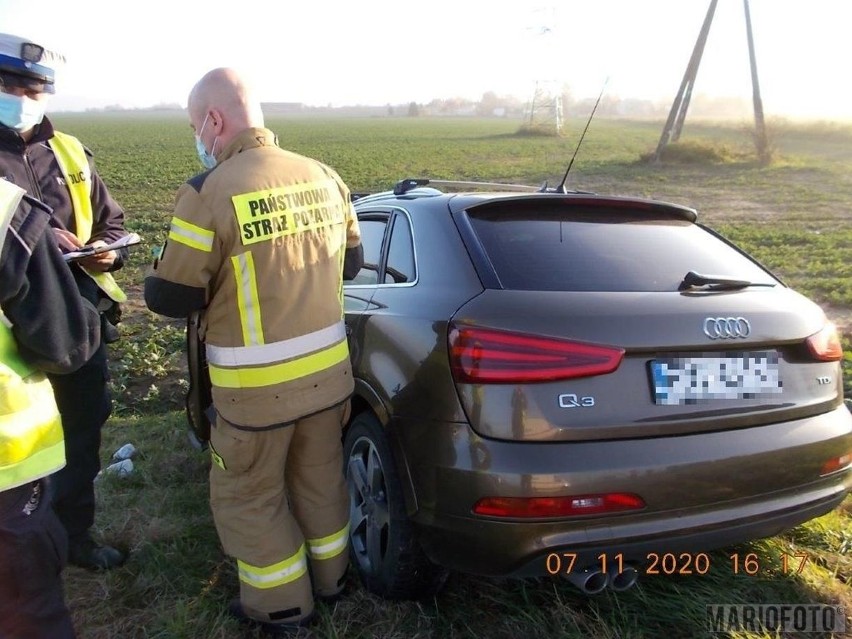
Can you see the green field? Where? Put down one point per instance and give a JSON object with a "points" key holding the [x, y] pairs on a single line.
{"points": [[794, 215]]}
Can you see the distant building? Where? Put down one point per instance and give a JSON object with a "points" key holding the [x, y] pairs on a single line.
{"points": [[282, 107]]}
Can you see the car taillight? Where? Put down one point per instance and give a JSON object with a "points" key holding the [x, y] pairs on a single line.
{"points": [[481, 356], [570, 506], [825, 345], [836, 463]]}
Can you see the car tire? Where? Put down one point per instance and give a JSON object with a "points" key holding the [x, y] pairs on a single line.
{"points": [[382, 543]]}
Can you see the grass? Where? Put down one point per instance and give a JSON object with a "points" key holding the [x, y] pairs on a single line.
{"points": [[793, 215]]}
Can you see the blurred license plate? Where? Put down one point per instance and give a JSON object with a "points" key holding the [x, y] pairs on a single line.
{"points": [[691, 380]]}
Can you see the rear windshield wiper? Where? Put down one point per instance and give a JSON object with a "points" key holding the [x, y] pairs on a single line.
{"points": [[715, 282]]}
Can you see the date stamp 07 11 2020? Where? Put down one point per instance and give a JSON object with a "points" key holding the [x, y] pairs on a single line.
{"points": [[684, 563], [722, 617]]}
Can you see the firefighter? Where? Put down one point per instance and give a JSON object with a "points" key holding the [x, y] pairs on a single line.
{"points": [[260, 241], [56, 168], [44, 326]]}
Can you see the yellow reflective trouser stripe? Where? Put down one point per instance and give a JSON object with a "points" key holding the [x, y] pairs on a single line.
{"points": [[330, 546], [191, 235], [278, 574], [279, 373], [247, 299]]}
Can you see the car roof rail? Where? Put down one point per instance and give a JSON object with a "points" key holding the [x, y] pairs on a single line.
{"points": [[414, 193], [403, 186]]}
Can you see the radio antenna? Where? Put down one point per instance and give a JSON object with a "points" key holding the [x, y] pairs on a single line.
{"points": [[561, 188]]}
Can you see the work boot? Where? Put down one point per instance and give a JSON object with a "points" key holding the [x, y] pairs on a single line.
{"points": [[86, 553], [235, 609]]}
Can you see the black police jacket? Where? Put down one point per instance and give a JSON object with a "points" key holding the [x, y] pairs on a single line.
{"points": [[33, 166], [56, 329]]}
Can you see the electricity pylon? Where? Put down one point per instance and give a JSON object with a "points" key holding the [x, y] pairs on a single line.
{"points": [[546, 107], [545, 113]]}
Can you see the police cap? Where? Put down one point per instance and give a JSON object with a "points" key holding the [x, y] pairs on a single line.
{"points": [[26, 64]]}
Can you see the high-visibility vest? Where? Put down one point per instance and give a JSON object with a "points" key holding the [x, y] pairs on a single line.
{"points": [[31, 443], [71, 157]]}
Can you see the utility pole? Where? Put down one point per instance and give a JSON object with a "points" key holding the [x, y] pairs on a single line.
{"points": [[760, 139], [674, 123]]}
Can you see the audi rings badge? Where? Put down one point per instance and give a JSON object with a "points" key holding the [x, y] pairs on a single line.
{"points": [[726, 327]]}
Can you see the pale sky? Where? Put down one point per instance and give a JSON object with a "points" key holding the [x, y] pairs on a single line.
{"points": [[338, 52]]}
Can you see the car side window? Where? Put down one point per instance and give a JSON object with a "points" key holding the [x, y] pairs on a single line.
{"points": [[372, 235], [400, 262]]}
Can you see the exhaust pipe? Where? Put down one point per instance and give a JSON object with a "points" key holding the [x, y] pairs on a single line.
{"points": [[591, 580], [624, 580]]}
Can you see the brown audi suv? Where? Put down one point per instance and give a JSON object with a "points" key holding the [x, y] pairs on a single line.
{"points": [[568, 383]]}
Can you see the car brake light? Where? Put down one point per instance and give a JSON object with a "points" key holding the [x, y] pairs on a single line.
{"points": [[479, 355], [570, 506], [825, 345], [836, 463]]}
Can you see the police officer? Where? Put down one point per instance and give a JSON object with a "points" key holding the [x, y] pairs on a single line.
{"points": [[260, 242], [44, 326], [58, 170]]}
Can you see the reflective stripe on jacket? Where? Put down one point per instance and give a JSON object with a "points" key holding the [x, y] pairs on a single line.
{"points": [[267, 364], [71, 157], [31, 443]]}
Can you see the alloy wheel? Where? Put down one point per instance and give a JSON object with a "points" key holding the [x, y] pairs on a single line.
{"points": [[369, 512]]}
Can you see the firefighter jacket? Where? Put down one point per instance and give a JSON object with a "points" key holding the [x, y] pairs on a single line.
{"points": [[34, 278], [59, 171], [258, 242]]}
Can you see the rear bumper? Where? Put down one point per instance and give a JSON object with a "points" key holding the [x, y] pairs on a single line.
{"points": [[521, 550], [703, 491]]}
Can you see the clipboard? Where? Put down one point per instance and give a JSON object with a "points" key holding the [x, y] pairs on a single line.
{"points": [[130, 239]]}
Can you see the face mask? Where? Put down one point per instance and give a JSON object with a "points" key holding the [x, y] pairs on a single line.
{"points": [[208, 160], [20, 112]]}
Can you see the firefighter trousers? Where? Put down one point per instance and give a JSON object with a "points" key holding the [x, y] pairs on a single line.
{"points": [[281, 509]]}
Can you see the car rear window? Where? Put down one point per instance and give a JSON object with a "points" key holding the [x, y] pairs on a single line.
{"points": [[604, 250]]}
